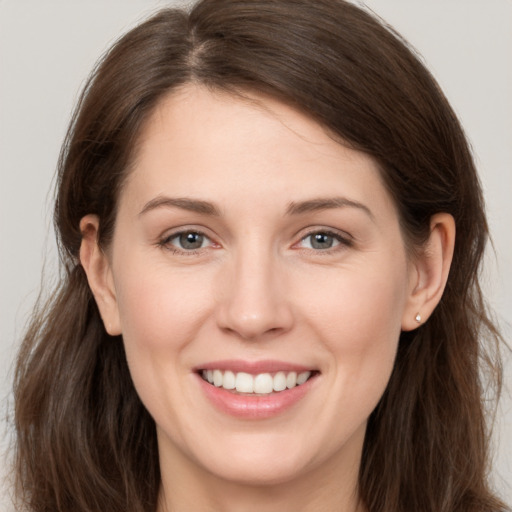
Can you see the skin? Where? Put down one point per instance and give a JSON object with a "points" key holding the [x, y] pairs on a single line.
{"points": [[257, 289]]}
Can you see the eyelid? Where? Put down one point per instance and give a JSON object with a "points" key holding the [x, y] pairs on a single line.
{"points": [[164, 241], [345, 239]]}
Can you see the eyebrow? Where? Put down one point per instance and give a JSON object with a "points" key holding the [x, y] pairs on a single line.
{"points": [[192, 205], [327, 203], [294, 208]]}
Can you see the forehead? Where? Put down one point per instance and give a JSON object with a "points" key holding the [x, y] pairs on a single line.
{"points": [[197, 139], [199, 117]]}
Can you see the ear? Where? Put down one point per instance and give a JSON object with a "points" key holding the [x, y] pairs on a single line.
{"points": [[429, 272], [99, 274]]}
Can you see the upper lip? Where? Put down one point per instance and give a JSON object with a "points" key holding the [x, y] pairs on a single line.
{"points": [[253, 367]]}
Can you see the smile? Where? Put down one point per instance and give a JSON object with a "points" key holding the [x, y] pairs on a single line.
{"points": [[255, 390], [260, 384]]}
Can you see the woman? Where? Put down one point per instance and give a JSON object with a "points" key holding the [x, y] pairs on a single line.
{"points": [[271, 226]]}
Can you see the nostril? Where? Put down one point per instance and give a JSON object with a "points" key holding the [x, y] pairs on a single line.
{"points": [[252, 301]]}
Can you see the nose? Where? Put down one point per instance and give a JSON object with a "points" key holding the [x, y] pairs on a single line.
{"points": [[253, 296]]}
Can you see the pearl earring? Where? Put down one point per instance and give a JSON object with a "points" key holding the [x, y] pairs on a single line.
{"points": [[418, 318]]}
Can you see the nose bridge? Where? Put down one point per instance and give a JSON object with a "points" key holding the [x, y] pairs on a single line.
{"points": [[254, 297]]}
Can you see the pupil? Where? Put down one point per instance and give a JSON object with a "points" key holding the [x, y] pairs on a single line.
{"points": [[191, 240], [322, 241]]}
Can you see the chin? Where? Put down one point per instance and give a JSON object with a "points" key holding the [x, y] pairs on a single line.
{"points": [[269, 471]]}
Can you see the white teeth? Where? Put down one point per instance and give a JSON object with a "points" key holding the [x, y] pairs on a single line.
{"points": [[244, 383], [279, 381], [217, 378], [291, 380], [262, 383], [229, 381], [302, 377]]}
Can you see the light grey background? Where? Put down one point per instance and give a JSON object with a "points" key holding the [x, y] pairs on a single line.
{"points": [[48, 47]]}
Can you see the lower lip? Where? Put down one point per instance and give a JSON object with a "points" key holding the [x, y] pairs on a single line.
{"points": [[256, 406]]}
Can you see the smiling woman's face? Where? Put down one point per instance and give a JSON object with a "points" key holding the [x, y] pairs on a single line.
{"points": [[253, 250]]}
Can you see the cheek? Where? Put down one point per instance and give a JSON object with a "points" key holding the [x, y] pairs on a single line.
{"points": [[359, 307], [160, 308], [161, 313], [359, 320]]}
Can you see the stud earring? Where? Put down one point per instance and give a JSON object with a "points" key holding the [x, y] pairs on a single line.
{"points": [[418, 318]]}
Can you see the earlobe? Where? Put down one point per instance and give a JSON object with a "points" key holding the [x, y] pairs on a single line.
{"points": [[430, 272], [99, 274]]}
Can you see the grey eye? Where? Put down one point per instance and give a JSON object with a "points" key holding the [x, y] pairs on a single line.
{"points": [[190, 240], [321, 240]]}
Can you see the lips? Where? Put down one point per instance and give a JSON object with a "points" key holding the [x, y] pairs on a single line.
{"points": [[255, 390]]}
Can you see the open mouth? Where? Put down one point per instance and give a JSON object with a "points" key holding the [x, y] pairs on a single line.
{"points": [[259, 384]]}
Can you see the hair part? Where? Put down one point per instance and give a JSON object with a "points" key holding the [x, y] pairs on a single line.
{"points": [[426, 446]]}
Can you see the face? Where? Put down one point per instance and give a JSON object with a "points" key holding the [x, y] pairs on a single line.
{"points": [[260, 281]]}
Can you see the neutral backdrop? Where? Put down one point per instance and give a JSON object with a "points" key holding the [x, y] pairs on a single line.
{"points": [[47, 48]]}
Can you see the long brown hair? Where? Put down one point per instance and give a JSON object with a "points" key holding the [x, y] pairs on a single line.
{"points": [[85, 442]]}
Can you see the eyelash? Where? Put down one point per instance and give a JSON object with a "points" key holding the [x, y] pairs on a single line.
{"points": [[341, 242], [165, 242]]}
